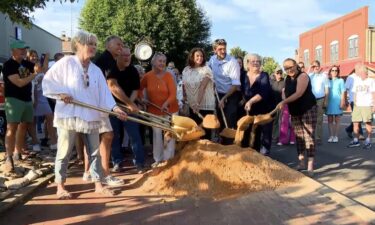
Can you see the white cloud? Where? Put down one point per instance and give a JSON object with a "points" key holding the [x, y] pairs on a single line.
{"points": [[219, 11]]}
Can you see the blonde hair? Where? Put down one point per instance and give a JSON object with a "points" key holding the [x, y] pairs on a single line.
{"points": [[247, 57]]}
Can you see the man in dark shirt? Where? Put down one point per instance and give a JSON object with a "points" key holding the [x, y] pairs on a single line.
{"points": [[123, 81], [277, 84], [17, 74]]}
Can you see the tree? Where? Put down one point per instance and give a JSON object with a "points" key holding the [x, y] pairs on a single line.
{"points": [[171, 26], [19, 10], [237, 52], [269, 65]]}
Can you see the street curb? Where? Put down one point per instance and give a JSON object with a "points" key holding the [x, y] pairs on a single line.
{"points": [[351, 205], [24, 193]]}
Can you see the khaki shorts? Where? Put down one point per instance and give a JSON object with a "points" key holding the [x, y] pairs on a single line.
{"points": [[362, 114], [17, 111], [105, 125]]}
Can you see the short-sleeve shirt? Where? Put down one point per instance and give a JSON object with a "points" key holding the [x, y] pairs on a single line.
{"points": [[105, 62], [349, 85], [363, 90], [319, 82], [128, 79], [24, 69]]}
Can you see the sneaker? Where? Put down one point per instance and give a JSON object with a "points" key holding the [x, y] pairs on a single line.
{"points": [[279, 143], [36, 148], [367, 146], [353, 144], [330, 139], [263, 151], [292, 142], [155, 164], [116, 168], [86, 177], [53, 147], [112, 181], [335, 139]]}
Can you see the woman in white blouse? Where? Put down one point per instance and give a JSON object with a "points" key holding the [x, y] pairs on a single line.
{"points": [[197, 81], [76, 77]]}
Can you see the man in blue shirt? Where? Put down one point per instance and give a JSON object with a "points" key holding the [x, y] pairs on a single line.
{"points": [[226, 73]]}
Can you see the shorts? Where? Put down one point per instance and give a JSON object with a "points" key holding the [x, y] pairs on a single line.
{"points": [[18, 111], [105, 125], [362, 114]]}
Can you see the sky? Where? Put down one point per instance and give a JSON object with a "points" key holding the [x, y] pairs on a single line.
{"points": [[267, 27]]}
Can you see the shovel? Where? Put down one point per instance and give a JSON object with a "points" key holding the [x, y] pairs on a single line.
{"points": [[265, 118], [209, 121], [182, 133], [226, 132], [242, 124]]}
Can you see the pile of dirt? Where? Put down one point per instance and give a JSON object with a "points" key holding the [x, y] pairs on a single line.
{"points": [[206, 169]]}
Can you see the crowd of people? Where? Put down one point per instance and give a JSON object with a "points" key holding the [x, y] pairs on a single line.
{"points": [[234, 86]]}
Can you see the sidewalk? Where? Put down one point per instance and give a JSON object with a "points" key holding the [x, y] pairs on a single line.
{"points": [[307, 202]]}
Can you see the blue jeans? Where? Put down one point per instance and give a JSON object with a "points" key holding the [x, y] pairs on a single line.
{"points": [[132, 129], [65, 143]]}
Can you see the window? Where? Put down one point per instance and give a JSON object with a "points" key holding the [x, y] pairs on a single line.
{"points": [[334, 47], [318, 53], [353, 46], [306, 57]]}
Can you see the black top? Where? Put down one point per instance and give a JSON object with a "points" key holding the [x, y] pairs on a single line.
{"points": [[277, 87], [106, 62], [127, 79], [24, 69], [304, 103], [262, 87]]}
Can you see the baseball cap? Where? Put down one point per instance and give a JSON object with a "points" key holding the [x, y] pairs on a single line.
{"points": [[18, 44]]}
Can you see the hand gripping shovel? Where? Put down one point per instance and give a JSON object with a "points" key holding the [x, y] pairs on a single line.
{"points": [[185, 134], [242, 124], [209, 121], [226, 132]]}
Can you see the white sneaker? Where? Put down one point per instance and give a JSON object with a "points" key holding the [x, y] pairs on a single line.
{"points": [[335, 139], [330, 139], [263, 150], [53, 147], [292, 143], [112, 181], [36, 148], [86, 177], [279, 143]]}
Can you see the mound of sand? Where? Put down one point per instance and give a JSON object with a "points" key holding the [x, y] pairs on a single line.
{"points": [[206, 169]]}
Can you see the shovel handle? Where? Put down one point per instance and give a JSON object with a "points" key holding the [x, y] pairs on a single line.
{"points": [[76, 102], [221, 109], [158, 107], [146, 114]]}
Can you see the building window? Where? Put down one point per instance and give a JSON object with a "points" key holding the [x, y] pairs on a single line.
{"points": [[353, 46], [318, 53], [306, 57], [334, 46]]}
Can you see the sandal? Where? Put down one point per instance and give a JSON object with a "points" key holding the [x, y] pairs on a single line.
{"points": [[64, 195], [106, 192]]}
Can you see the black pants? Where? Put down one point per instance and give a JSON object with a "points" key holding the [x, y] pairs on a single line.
{"points": [[263, 137], [230, 111], [198, 120]]}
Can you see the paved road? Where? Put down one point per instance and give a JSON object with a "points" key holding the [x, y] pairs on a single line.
{"points": [[350, 171]]}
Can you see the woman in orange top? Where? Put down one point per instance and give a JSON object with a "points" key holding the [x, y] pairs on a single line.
{"points": [[160, 90]]}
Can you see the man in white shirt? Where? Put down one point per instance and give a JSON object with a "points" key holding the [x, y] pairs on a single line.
{"points": [[320, 88], [349, 90], [364, 97], [226, 73]]}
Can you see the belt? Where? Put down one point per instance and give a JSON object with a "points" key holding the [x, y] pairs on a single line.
{"points": [[320, 98]]}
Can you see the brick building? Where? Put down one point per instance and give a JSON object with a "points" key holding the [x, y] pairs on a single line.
{"points": [[344, 41]]}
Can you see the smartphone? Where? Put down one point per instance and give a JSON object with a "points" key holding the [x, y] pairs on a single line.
{"points": [[42, 57]]}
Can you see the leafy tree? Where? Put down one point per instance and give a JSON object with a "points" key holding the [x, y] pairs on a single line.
{"points": [[171, 26], [269, 65], [237, 52], [19, 10]]}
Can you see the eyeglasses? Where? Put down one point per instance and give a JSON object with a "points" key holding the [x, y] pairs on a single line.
{"points": [[314, 66], [279, 72], [334, 70], [286, 69], [86, 80], [254, 61]]}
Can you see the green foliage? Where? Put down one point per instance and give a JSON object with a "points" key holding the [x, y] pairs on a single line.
{"points": [[19, 11], [269, 65], [237, 52], [171, 26]]}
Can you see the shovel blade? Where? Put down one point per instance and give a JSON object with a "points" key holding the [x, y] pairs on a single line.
{"points": [[228, 133], [210, 121]]}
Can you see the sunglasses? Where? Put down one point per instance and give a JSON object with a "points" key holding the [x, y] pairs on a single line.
{"points": [[279, 72], [220, 41], [86, 80], [334, 70]]}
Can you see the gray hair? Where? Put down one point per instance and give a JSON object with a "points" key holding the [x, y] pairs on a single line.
{"points": [[82, 37], [247, 58], [360, 67], [109, 39], [156, 55]]}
